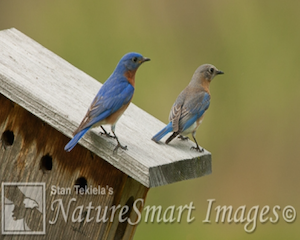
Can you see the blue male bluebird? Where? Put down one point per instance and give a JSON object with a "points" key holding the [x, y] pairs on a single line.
{"points": [[188, 110], [112, 99]]}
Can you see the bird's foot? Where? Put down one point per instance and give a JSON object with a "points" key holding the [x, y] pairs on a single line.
{"points": [[197, 148], [183, 138], [119, 146]]}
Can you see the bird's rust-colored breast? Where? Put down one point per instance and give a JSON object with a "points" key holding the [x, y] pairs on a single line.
{"points": [[130, 75], [205, 84], [113, 118]]}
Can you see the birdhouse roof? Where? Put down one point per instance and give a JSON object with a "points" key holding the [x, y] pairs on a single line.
{"points": [[59, 94]]}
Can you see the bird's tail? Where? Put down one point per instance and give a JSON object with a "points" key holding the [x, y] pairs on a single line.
{"points": [[75, 140], [163, 132]]}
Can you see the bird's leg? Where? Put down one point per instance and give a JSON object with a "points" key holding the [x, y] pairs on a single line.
{"points": [[119, 144], [183, 138], [106, 133], [197, 148], [174, 135]]}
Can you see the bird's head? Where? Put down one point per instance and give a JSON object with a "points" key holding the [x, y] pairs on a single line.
{"points": [[207, 72], [131, 61], [30, 203]]}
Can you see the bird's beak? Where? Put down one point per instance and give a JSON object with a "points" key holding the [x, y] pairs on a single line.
{"points": [[145, 59], [220, 72]]}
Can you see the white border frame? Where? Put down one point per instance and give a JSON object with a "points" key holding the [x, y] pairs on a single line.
{"points": [[43, 207]]}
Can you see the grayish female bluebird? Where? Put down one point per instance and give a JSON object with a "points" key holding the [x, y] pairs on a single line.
{"points": [[188, 110]]}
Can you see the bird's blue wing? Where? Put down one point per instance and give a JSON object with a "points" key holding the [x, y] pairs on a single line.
{"points": [[193, 109], [111, 97], [199, 104]]}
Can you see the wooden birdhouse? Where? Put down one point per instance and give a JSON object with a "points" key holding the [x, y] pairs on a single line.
{"points": [[90, 192]]}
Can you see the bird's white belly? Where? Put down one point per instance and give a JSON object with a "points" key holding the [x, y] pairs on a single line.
{"points": [[192, 128]]}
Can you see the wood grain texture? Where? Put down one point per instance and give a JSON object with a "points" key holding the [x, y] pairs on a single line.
{"points": [[21, 161], [59, 94]]}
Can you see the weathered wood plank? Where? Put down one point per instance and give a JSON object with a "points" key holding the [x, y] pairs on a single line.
{"points": [[59, 94], [21, 161]]}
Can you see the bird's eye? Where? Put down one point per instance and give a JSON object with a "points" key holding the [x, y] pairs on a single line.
{"points": [[211, 70], [134, 59]]}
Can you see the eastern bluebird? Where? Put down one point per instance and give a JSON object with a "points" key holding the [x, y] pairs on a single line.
{"points": [[188, 110], [112, 99]]}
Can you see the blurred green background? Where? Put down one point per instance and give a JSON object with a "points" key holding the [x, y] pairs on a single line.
{"points": [[252, 126]]}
